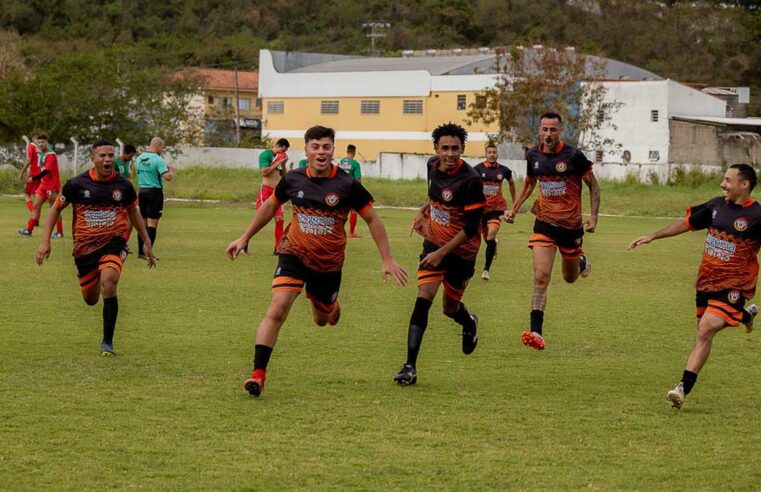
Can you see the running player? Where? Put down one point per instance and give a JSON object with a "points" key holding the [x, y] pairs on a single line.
{"points": [[728, 271], [32, 163], [311, 253], [350, 165], [450, 223], [104, 205], [47, 184], [152, 170], [123, 162], [272, 166], [559, 169], [493, 174]]}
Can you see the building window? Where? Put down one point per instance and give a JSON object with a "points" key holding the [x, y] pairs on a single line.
{"points": [[244, 104], [654, 156], [461, 102], [276, 107], [598, 156], [329, 107], [654, 115], [210, 100], [369, 107], [225, 102], [258, 102], [412, 106]]}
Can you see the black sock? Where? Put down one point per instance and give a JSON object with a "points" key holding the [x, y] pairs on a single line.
{"points": [[110, 312], [418, 324], [537, 320], [688, 381], [463, 318], [491, 248], [152, 236], [746, 317], [139, 245], [262, 355]]}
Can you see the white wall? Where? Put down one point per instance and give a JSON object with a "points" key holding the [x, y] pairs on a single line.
{"points": [[686, 101]]}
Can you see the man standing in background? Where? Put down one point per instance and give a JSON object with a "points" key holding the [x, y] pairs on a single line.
{"points": [[151, 171], [123, 162], [31, 162], [272, 166], [351, 166]]}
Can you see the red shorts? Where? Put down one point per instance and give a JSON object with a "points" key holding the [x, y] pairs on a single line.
{"points": [[45, 192], [30, 188], [264, 193]]}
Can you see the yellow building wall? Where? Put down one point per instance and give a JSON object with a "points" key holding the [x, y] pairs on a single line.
{"points": [[438, 108]]}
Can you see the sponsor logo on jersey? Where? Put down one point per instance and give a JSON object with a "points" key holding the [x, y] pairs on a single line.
{"points": [[713, 214], [87, 193], [123, 254], [62, 198], [536, 164], [331, 199], [117, 195], [734, 296], [300, 194], [447, 194], [333, 296], [499, 177], [561, 167], [741, 223]]}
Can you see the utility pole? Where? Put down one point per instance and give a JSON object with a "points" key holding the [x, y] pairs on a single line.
{"points": [[237, 109], [377, 30]]}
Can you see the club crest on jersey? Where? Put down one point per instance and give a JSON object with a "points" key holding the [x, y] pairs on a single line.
{"points": [[733, 296], [331, 199], [561, 167], [123, 254], [447, 194], [62, 198], [117, 195], [741, 223]]}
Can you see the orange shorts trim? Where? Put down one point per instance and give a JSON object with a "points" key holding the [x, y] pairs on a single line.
{"points": [[429, 276], [322, 308], [110, 261], [547, 242], [453, 292], [287, 284], [88, 280], [494, 223], [730, 314]]}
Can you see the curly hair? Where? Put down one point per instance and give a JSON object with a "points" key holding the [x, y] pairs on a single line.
{"points": [[449, 130]]}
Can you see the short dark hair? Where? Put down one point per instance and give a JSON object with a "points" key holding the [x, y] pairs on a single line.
{"points": [[746, 172], [36, 135], [130, 149], [491, 145], [551, 115], [41, 136], [450, 130], [100, 143], [283, 142], [351, 148], [319, 132]]}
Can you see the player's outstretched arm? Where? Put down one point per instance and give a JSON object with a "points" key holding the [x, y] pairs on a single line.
{"points": [[594, 201], [676, 228], [43, 251], [137, 222], [262, 217], [511, 185], [526, 190], [378, 232]]}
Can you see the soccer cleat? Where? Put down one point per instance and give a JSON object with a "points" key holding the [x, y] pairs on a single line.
{"points": [[676, 396], [585, 268], [57, 235], [533, 340], [25, 232], [485, 275], [407, 375], [470, 338], [255, 384], [336, 315], [752, 310], [107, 350]]}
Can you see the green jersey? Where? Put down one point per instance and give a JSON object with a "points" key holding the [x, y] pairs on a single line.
{"points": [[266, 158], [351, 166], [303, 163], [122, 167], [150, 167]]}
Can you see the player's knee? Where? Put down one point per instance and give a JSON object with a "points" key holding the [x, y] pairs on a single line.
{"points": [[319, 320], [91, 298], [570, 277], [108, 287], [451, 306], [541, 278]]}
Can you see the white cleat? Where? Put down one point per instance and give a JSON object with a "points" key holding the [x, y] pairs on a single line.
{"points": [[585, 266], [485, 275], [676, 396], [753, 311]]}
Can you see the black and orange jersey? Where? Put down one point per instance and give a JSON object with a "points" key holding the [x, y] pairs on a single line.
{"points": [[559, 175], [450, 195], [99, 209], [316, 233], [492, 177], [732, 243]]}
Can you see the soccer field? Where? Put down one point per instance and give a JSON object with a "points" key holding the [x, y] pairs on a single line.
{"points": [[170, 412]]}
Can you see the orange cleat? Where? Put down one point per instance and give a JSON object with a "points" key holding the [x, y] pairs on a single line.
{"points": [[533, 340]]}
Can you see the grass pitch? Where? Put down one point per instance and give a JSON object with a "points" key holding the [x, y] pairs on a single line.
{"points": [[169, 412]]}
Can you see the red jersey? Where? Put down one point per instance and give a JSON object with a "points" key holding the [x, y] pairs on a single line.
{"points": [[559, 175], [492, 177], [316, 233], [34, 153], [51, 180], [731, 245], [100, 209]]}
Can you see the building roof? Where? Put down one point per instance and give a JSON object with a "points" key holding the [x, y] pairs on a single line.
{"points": [[290, 62], [216, 78], [719, 121]]}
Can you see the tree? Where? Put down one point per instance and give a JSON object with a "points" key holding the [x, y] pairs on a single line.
{"points": [[531, 81]]}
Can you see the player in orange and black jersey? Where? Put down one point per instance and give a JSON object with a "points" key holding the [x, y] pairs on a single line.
{"points": [[728, 271], [311, 253], [105, 209], [450, 223], [559, 169], [493, 174]]}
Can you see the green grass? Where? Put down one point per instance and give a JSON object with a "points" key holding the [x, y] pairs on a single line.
{"points": [[169, 412]]}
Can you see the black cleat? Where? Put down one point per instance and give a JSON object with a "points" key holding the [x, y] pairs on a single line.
{"points": [[470, 337], [407, 375]]}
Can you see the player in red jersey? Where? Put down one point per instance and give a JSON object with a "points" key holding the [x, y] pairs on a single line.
{"points": [[46, 184], [559, 169], [272, 166], [728, 271], [493, 174], [311, 253], [450, 223], [104, 209], [31, 162]]}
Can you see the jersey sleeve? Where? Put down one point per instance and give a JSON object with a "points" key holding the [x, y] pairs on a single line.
{"points": [[281, 190], [265, 159], [130, 196], [507, 173], [31, 151], [68, 195], [474, 194], [161, 166], [361, 199], [699, 216], [582, 164], [357, 170]]}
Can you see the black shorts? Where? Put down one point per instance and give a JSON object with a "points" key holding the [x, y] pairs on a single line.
{"points": [[568, 241], [454, 271], [493, 218], [151, 201], [112, 255], [291, 275], [727, 304]]}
